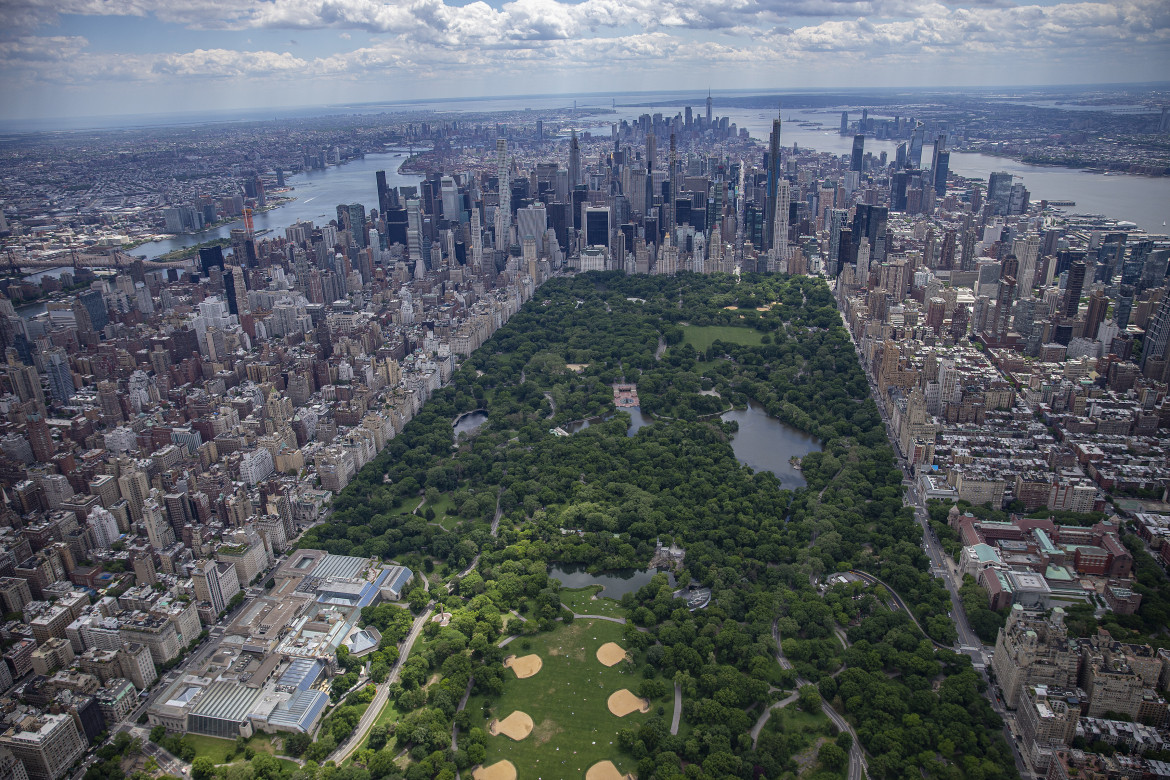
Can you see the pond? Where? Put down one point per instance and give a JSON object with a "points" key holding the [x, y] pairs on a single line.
{"points": [[469, 422], [766, 444], [615, 583], [638, 420]]}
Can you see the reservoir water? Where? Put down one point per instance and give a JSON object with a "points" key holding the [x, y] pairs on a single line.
{"points": [[766, 444], [318, 193]]}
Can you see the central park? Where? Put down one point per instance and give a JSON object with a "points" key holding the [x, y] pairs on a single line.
{"points": [[734, 659]]}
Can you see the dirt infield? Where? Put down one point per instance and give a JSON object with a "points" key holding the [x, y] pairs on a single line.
{"points": [[622, 703], [605, 770], [501, 770], [516, 726], [611, 654], [525, 666]]}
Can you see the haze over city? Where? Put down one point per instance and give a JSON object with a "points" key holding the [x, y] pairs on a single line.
{"points": [[83, 57]]}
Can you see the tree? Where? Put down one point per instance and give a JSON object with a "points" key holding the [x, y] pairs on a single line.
{"points": [[202, 768], [832, 757], [810, 699], [157, 733], [296, 744]]}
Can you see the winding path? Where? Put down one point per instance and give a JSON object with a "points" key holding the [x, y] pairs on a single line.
{"points": [[872, 580], [677, 710]]}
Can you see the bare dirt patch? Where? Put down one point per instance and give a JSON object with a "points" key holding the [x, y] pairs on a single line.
{"points": [[622, 703], [501, 770], [524, 666], [516, 726], [545, 731], [611, 654], [605, 770]]}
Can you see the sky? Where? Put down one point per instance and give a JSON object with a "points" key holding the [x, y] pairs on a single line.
{"points": [[75, 58]]}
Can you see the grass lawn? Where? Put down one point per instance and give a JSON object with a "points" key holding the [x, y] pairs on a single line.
{"points": [[701, 337], [218, 749], [566, 700], [385, 718], [581, 601]]}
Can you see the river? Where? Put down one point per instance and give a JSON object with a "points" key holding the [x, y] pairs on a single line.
{"points": [[766, 444], [318, 193], [1143, 200]]}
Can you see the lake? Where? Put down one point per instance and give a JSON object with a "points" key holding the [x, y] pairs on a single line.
{"points": [[469, 422], [615, 583], [766, 444], [638, 421]]}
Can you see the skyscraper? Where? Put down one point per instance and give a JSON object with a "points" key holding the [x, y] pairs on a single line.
{"points": [[1072, 290], [574, 161], [1157, 335], [708, 108], [844, 122], [916, 139], [940, 166], [858, 153], [770, 237], [999, 192], [60, 375]]}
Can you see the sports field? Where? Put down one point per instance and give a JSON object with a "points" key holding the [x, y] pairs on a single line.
{"points": [[567, 701], [701, 337]]}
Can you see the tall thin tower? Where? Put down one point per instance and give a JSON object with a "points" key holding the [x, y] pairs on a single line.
{"points": [[574, 160], [773, 177], [672, 174], [708, 108]]}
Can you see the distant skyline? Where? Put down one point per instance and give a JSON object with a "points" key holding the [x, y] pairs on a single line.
{"points": [[69, 58]]}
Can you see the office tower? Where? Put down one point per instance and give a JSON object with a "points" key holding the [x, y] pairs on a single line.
{"points": [[858, 159], [414, 231], [844, 122], [916, 139], [999, 192], [1073, 288], [940, 166], [709, 108], [210, 256], [869, 226], [239, 284], [355, 222], [596, 222], [900, 158], [837, 219], [95, 304], [574, 161], [451, 199], [1027, 252], [1157, 336], [110, 402], [672, 177], [1095, 315], [651, 152], [205, 577], [387, 199], [60, 375], [770, 237]]}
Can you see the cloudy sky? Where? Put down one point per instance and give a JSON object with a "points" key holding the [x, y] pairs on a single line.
{"points": [[100, 57]]}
